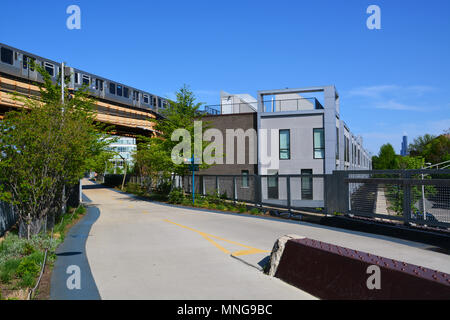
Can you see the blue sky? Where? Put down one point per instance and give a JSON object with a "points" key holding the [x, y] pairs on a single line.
{"points": [[392, 81]]}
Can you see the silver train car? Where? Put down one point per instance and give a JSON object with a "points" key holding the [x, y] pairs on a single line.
{"points": [[16, 63]]}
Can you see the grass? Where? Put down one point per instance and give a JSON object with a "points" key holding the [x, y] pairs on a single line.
{"points": [[21, 259]]}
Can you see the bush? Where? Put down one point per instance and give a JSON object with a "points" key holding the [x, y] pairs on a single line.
{"points": [[176, 196], [27, 280], [28, 265], [255, 211], [220, 206], [211, 206], [242, 209], [134, 188]]}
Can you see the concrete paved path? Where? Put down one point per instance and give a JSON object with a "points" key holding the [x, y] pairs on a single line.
{"points": [[143, 250]]}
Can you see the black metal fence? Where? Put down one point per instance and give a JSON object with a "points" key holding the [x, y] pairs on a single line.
{"points": [[280, 191]]}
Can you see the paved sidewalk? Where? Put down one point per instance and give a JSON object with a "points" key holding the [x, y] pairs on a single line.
{"points": [[143, 250]]}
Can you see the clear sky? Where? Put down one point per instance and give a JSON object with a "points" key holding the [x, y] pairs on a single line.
{"points": [[392, 81]]}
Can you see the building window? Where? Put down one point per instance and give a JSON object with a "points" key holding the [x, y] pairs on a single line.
{"points": [[7, 55], [272, 186], [119, 90], [112, 88], [347, 149], [319, 143], [337, 143], [285, 144], [50, 69], [244, 178], [307, 184]]}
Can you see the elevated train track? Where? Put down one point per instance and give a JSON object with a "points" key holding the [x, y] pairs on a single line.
{"points": [[129, 110]]}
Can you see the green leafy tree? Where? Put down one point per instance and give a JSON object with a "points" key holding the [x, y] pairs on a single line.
{"points": [[417, 147], [154, 155], [437, 150], [44, 147], [386, 158]]}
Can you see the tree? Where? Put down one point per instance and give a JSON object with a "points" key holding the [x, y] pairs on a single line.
{"points": [[154, 155], [44, 147], [437, 150], [416, 148], [386, 159]]}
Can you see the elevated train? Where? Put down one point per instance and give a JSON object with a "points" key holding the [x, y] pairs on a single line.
{"points": [[15, 63]]}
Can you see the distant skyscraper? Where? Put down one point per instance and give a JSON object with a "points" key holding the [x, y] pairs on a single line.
{"points": [[404, 151]]}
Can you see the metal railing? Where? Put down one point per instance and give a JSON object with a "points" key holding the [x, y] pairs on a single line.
{"points": [[289, 192], [419, 197]]}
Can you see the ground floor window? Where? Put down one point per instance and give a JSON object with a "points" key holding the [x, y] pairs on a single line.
{"points": [[272, 186], [244, 178], [307, 184]]}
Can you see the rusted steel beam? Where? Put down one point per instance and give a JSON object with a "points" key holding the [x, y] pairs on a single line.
{"points": [[328, 271]]}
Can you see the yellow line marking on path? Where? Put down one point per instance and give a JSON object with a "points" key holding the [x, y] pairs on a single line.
{"points": [[250, 250]]}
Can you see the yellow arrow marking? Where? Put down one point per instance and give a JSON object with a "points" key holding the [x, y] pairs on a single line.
{"points": [[210, 237]]}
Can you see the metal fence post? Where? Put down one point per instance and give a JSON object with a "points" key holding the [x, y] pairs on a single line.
{"points": [[288, 186], [234, 189], [406, 197], [258, 197], [217, 185]]}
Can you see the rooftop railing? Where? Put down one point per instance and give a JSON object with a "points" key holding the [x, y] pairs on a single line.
{"points": [[281, 105]]}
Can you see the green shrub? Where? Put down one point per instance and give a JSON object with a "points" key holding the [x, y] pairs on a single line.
{"points": [[134, 188], [242, 209], [212, 206], [27, 266], [186, 202], [176, 196], [224, 196], [27, 280], [220, 206], [27, 249], [255, 211]]}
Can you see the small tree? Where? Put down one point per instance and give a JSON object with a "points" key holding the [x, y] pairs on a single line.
{"points": [[44, 147], [153, 157]]}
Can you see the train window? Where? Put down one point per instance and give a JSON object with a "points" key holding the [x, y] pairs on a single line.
{"points": [[112, 88], [136, 95], [145, 98], [86, 79], [27, 62], [98, 84], [125, 92], [154, 101], [7, 55], [50, 68], [77, 78], [119, 90]]}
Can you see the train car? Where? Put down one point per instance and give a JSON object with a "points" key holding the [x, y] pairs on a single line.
{"points": [[16, 63]]}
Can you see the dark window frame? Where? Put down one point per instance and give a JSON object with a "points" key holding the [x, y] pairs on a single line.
{"points": [[288, 149], [119, 90], [245, 177], [126, 92], [7, 56], [47, 65], [307, 194], [322, 143], [112, 88]]}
